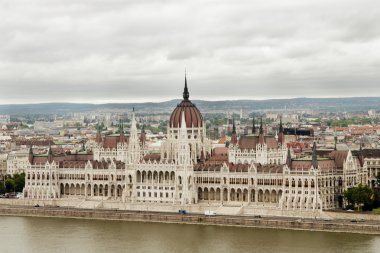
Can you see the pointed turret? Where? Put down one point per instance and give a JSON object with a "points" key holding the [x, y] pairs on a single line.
{"points": [[281, 133], [31, 155], [183, 129], [289, 159], [50, 154], [281, 129], [133, 131], [185, 90], [335, 140], [253, 125], [234, 135], [261, 132], [314, 159]]}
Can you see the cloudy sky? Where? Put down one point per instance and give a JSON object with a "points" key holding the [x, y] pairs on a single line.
{"points": [[137, 50]]}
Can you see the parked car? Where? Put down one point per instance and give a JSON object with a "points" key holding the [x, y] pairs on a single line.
{"points": [[182, 211], [210, 213]]}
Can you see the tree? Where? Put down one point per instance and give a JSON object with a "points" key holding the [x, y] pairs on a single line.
{"points": [[359, 196], [2, 188], [10, 184], [19, 182]]}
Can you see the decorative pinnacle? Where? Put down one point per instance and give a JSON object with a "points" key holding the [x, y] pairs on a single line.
{"points": [[253, 125], [314, 159], [261, 125], [233, 125]]}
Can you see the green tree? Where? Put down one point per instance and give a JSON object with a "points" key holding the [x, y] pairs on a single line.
{"points": [[19, 182], [359, 196], [2, 188], [10, 184]]}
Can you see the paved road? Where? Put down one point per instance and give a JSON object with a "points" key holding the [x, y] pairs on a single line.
{"points": [[277, 218]]}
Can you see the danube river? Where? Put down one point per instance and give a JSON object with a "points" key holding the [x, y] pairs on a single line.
{"points": [[26, 234]]}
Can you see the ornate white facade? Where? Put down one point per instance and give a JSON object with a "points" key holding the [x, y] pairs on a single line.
{"points": [[258, 171]]}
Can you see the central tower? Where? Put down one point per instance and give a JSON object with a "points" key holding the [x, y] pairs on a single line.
{"points": [[186, 116]]}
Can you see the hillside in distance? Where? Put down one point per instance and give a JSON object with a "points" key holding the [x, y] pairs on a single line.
{"points": [[352, 104]]}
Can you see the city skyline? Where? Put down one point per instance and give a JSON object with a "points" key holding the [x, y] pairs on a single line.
{"points": [[137, 51]]}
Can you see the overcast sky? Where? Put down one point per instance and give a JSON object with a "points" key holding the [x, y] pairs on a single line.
{"points": [[126, 51]]}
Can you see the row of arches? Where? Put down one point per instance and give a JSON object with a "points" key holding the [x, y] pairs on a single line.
{"points": [[155, 177], [91, 190], [238, 195], [42, 176]]}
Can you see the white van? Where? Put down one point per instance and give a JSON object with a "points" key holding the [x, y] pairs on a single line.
{"points": [[210, 213]]}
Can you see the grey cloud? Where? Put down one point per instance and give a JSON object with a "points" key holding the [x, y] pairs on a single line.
{"points": [[66, 50]]}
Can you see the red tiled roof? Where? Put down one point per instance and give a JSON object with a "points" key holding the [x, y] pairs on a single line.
{"points": [[250, 142]]}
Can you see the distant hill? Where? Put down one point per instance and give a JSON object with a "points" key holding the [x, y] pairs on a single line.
{"points": [[356, 104]]}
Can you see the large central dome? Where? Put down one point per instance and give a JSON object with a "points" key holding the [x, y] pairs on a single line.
{"points": [[193, 116]]}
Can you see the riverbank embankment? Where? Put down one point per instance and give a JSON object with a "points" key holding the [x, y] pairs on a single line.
{"points": [[350, 226]]}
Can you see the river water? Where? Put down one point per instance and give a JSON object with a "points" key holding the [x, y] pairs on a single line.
{"points": [[26, 234]]}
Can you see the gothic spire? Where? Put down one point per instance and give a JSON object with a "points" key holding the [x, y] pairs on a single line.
{"points": [[253, 125], [50, 153], [31, 155], [261, 125], [31, 149], [335, 140], [234, 135], [281, 133], [314, 160], [185, 90], [233, 125], [289, 158]]}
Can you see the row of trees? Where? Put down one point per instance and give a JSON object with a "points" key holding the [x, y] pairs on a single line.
{"points": [[12, 184]]}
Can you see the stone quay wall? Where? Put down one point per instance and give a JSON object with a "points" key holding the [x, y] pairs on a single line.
{"points": [[243, 221]]}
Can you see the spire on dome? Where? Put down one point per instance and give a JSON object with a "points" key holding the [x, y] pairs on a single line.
{"points": [[185, 90]]}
